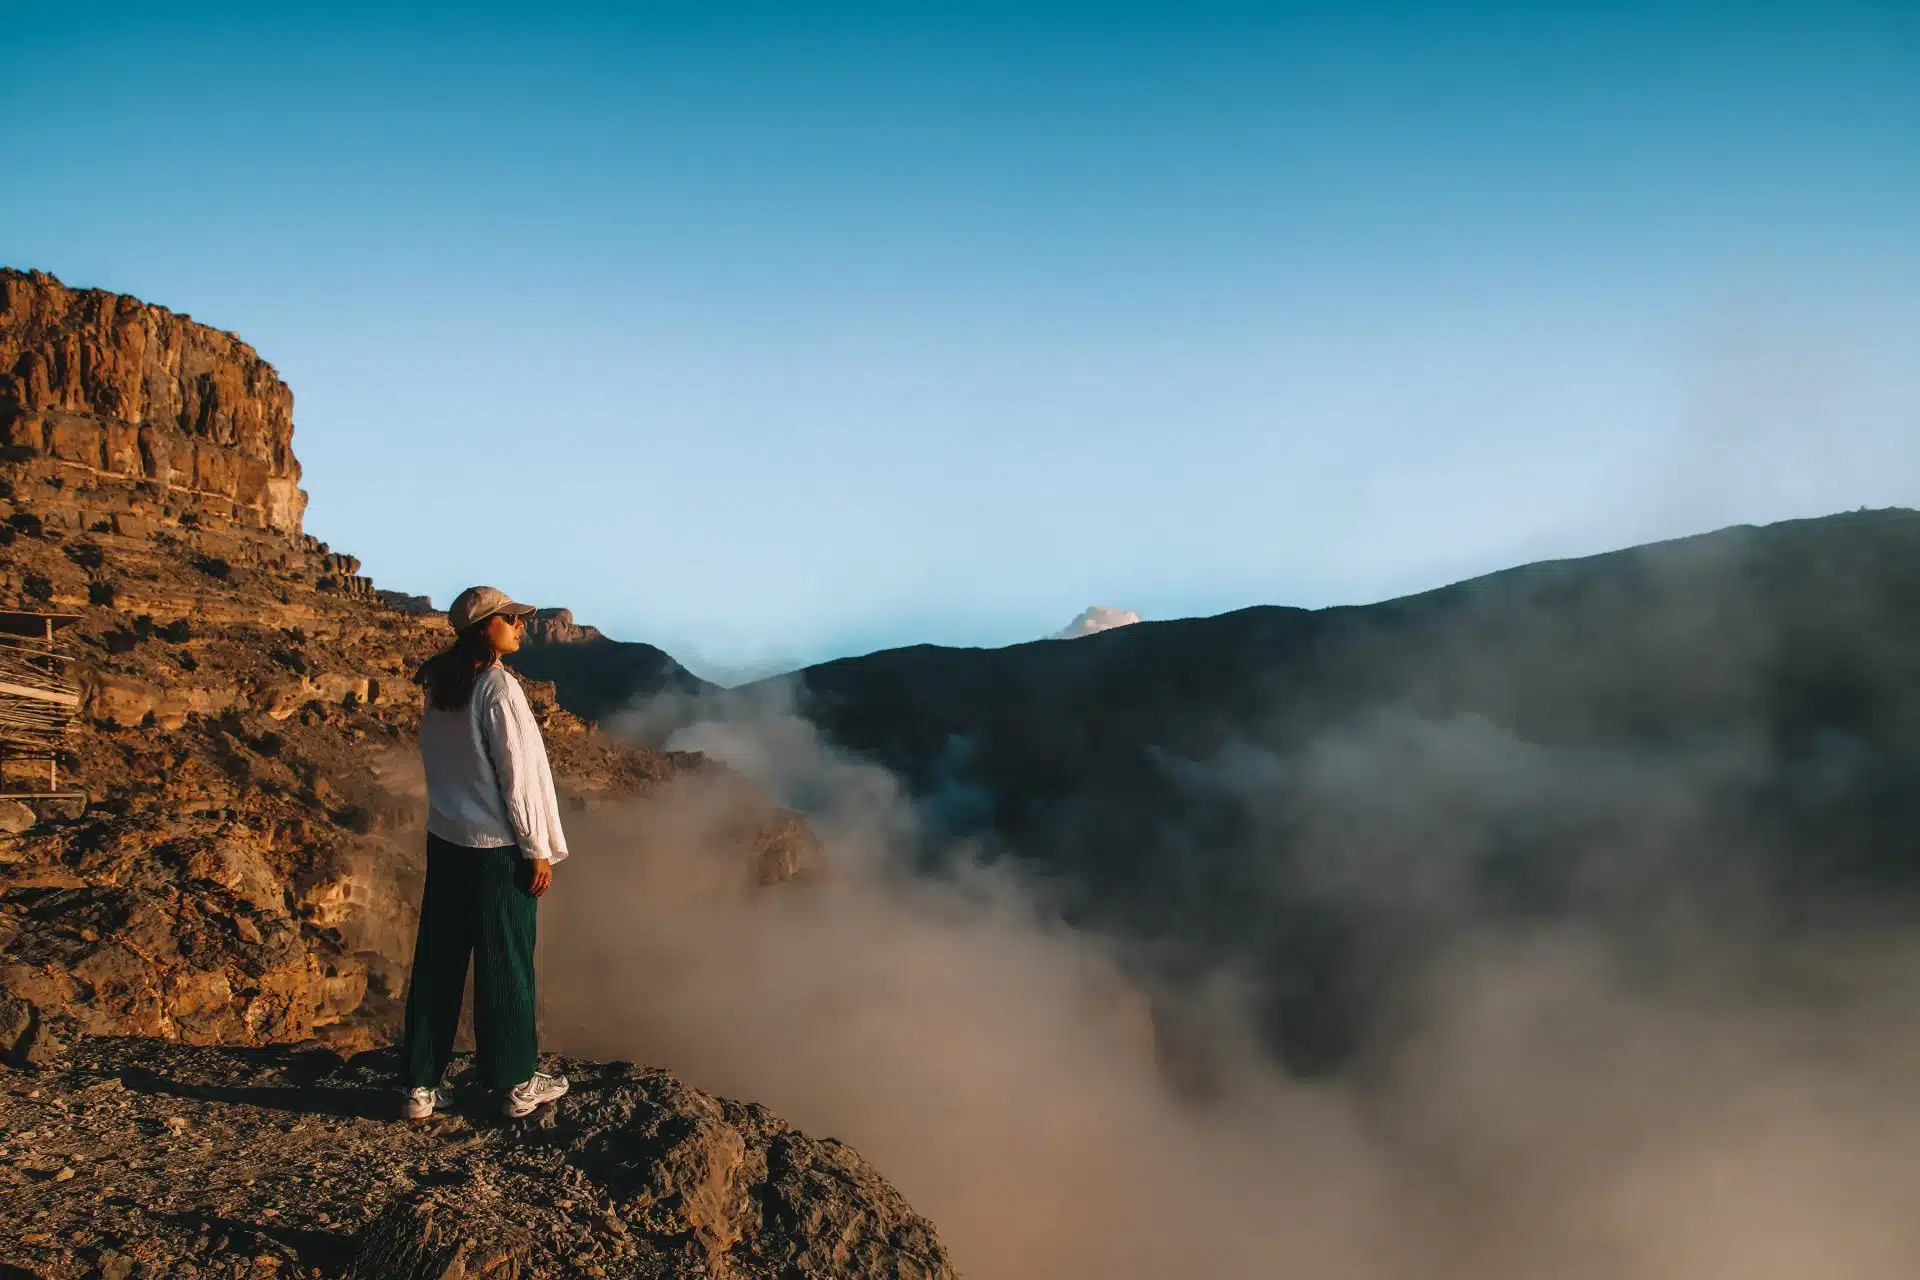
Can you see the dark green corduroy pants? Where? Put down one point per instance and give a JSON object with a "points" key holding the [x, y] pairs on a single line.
{"points": [[476, 904]]}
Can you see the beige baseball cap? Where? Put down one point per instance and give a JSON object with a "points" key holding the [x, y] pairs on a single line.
{"points": [[477, 604]]}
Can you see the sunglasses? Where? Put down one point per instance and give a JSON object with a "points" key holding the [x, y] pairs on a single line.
{"points": [[512, 620]]}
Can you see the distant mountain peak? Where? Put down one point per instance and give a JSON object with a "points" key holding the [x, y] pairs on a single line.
{"points": [[556, 626], [1096, 617]]}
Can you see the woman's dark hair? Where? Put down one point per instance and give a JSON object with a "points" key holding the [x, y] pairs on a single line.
{"points": [[448, 676]]}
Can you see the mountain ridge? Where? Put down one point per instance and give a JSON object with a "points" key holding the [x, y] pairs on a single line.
{"points": [[1189, 783]]}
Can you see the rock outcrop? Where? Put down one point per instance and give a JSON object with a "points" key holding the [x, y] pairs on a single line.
{"points": [[556, 626], [142, 1157], [152, 417]]}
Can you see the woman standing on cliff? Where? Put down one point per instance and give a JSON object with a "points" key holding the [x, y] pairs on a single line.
{"points": [[493, 835]]}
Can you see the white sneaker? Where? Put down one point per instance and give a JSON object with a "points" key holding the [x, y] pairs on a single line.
{"points": [[523, 1098], [422, 1103]]}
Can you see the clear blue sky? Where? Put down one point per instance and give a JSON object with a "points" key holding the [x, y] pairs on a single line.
{"points": [[768, 334]]}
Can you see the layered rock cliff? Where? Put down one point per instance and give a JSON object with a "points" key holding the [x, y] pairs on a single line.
{"points": [[112, 407], [556, 626]]}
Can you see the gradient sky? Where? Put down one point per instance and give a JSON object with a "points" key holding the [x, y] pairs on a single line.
{"points": [[768, 334]]}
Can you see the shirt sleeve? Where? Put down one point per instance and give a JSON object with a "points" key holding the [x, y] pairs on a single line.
{"points": [[526, 780]]}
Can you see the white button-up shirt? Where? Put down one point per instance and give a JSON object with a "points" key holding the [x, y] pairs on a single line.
{"points": [[488, 782]]}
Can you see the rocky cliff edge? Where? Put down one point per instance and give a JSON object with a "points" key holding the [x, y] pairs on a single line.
{"points": [[145, 1158]]}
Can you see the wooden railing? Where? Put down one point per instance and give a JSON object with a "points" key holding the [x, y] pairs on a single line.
{"points": [[38, 699]]}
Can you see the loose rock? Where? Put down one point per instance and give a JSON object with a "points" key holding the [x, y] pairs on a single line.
{"points": [[16, 817]]}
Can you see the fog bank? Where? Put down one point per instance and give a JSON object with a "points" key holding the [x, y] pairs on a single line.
{"points": [[1552, 1098]]}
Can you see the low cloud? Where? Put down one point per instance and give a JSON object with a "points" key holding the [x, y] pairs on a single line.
{"points": [[1555, 1096]]}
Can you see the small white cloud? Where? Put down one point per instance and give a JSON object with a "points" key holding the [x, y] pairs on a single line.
{"points": [[1098, 617]]}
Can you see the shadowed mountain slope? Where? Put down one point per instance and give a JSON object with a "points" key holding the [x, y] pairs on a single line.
{"points": [[1730, 721], [594, 677]]}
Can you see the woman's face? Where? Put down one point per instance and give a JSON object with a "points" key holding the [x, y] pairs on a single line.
{"points": [[505, 633]]}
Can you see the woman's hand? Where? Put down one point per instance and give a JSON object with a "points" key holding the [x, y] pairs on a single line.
{"points": [[542, 876]]}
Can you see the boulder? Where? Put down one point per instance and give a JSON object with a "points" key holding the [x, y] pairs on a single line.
{"points": [[121, 700], [16, 1029], [26, 1038], [784, 849], [442, 1234], [232, 862], [282, 699], [16, 817], [124, 993], [757, 1197], [42, 985], [174, 704], [336, 686]]}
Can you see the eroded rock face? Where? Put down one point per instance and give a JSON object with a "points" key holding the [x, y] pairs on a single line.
{"points": [[107, 388], [187, 936], [556, 626]]}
